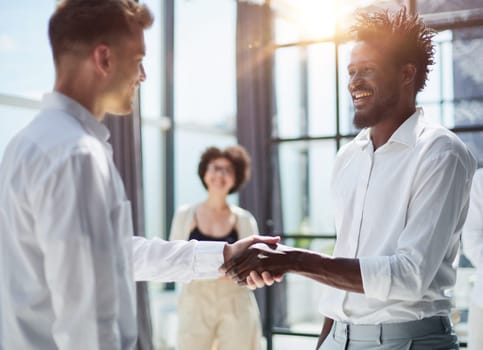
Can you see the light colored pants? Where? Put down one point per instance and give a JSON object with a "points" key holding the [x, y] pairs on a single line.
{"points": [[218, 314], [434, 333], [475, 327]]}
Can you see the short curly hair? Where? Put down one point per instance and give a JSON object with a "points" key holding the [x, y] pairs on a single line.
{"points": [[238, 157], [405, 36]]}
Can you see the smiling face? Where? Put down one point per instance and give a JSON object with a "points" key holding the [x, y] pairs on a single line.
{"points": [[219, 176], [128, 73], [373, 85]]}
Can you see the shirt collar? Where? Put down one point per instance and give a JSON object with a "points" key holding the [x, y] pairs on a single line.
{"points": [[407, 133], [57, 100]]}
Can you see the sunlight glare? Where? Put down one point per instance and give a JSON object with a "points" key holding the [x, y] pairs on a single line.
{"points": [[318, 18], [312, 19]]}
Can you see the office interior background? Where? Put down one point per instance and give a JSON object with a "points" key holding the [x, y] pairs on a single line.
{"points": [[270, 75]]}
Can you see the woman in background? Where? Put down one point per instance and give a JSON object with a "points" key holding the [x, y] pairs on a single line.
{"points": [[217, 314]]}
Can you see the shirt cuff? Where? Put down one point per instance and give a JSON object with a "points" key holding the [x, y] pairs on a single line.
{"points": [[208, 259], [376, 276]]}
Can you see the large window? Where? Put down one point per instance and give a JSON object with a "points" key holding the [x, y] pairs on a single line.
{"points": [[25, 58], [26, 67], [154, 124], [204, 88]]}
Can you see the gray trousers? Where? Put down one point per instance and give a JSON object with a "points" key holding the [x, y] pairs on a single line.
{"points": [[434, 333]]}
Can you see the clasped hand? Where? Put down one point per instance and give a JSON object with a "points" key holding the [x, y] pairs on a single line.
{"points": [[259, 265]]}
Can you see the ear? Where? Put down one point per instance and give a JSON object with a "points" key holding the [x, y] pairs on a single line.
{"points": [[102, 59], [408, 73]]}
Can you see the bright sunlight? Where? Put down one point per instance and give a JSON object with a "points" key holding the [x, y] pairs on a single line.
{"points": [[314, 19], [307, 19]]}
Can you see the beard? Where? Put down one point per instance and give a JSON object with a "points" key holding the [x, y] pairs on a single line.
{"points": [[374, 114]]}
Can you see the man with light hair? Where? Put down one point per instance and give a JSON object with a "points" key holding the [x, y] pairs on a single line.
{"points": [[68, 255]]}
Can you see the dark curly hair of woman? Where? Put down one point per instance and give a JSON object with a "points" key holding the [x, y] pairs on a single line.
{"points": [[238, 157], [405, 37]]}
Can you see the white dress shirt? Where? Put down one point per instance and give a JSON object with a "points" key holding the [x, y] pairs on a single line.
{"points": [[400, 211], [473, 236], [67, 252]]}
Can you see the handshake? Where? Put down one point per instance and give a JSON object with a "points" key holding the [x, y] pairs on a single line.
{"points": [[259, 261]]}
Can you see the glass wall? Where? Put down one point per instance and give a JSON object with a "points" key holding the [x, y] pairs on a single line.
{"points": [[26, 67], [25, 58], [154, 124], [306, 91], [438, 6], [204, 88]]}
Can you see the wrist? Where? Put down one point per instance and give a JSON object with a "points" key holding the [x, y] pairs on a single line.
{"points": [[296, 258]]}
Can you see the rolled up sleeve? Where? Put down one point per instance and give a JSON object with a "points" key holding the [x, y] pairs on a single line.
{"points": [[376, 276], [429, 243]]}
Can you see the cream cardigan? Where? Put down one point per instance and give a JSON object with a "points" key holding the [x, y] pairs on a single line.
{"points": [[183, 218]]}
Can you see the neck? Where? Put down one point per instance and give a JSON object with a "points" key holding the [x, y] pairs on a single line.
{"points": [[382, 132], [216, 201], [81, 89]]}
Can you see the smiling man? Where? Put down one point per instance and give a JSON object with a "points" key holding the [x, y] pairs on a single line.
{"points": [[401, 194]]}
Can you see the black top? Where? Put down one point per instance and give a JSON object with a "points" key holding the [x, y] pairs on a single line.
{"points": [[231, 237]]}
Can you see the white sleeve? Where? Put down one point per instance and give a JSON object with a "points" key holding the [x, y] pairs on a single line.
{"points": [[438, 205], [473, 229], [78, 246], [176, 261]]}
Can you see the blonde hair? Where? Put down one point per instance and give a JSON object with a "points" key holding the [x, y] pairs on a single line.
{"points": [[78, 25]]}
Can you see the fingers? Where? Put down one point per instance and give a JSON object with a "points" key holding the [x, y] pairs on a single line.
{"points": [[268, 279], [237, 265], [255, 280], [250, 283], [253, 262], [232, 250], [278, 279], [240, 273], [269, 240], [258, 280]]}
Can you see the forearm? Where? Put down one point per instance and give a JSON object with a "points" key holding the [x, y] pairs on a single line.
{"points": [[341, 273], [328, 322], [277, 261]]}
